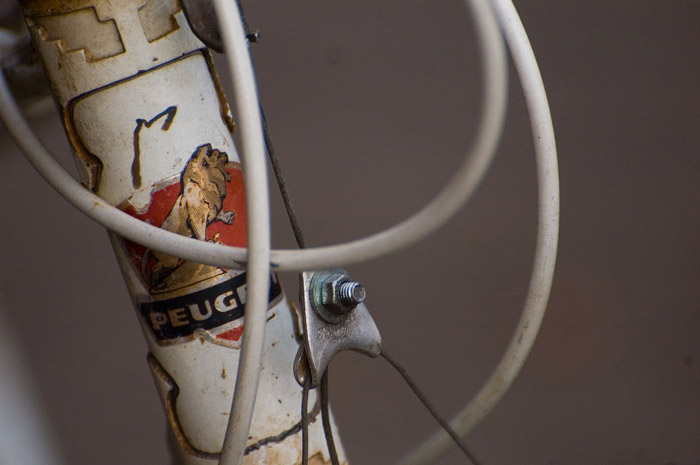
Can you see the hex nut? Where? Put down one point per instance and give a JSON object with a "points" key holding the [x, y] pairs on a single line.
{"points": [[330, 294]]}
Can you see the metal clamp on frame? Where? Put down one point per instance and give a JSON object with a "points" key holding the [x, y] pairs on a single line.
{"points": [[334, 318]]}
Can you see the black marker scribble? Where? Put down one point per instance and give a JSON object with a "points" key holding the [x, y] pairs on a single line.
{"points": [[169, 114]]}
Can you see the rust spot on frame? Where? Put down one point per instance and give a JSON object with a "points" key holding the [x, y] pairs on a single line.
{"points": [[89, 159], [157, 18], [317, 459], [224, 108], [79, 30], [170, 402], [89, 166], [53, 7]]}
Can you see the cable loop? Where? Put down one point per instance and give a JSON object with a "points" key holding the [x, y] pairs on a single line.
{"points": [[417, 227]]}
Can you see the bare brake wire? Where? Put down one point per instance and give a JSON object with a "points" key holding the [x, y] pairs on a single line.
{"points": [[430, 407], [305, 420], [325, 411], [325, 416], [301, 242], [282, 184]]}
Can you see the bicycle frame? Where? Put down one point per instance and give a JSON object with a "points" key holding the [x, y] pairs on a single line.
{"points": [[148, 122], [90, 171]]}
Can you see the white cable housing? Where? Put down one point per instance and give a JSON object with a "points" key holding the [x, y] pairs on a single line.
{"points": [[431, 217], [253, 157], [415, 228], [545, 250]]}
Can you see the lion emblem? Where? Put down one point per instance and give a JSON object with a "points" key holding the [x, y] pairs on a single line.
{"points": [[200, 203]]}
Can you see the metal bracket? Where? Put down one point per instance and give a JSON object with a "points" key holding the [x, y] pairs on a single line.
{"points": [[334, 319]]}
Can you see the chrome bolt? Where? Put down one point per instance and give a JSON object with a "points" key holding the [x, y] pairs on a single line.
{"points": [[337, 295], [351, 293], [340, 296]]}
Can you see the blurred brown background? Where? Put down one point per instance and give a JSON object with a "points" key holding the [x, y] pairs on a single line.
{"points": [[371, 105]]}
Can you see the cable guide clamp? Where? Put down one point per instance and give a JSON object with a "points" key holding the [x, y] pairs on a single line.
{"points": [[334, 318]]}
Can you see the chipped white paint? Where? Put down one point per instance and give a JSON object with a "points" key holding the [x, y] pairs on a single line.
{"points": [[141, 106]]}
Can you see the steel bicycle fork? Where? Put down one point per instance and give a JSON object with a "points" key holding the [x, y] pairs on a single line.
{"points": [[151, 132]]}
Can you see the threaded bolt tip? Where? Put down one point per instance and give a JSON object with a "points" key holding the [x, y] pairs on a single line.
{"points": [[352, 293]]}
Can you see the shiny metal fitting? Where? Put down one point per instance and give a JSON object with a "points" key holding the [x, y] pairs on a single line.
{"points": [[338, 295], [334, 318]]}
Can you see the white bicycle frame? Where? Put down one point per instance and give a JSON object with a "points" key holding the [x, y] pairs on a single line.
{"points": [[257, 257]]}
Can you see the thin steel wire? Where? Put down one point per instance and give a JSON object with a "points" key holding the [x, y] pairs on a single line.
{"points": [[282, 184], [326, 419], [545, 249], [347, 253], [429, 406], [305, 420]]}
